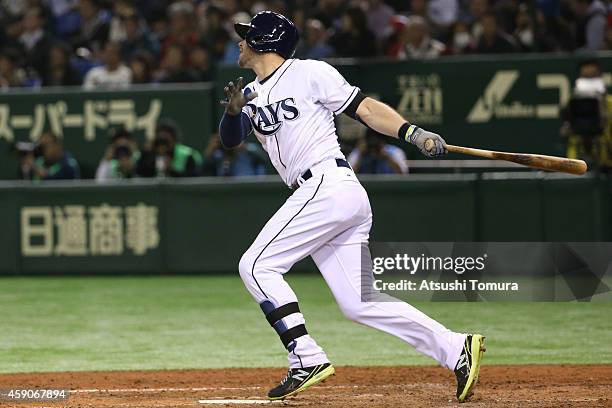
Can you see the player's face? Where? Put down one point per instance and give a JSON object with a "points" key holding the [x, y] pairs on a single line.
{"points": [[245, 60]]}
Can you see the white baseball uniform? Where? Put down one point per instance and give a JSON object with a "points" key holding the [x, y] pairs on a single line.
{"points": [[328, 217]]}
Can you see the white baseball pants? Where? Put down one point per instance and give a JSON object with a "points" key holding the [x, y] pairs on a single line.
{"points": [[329, 218]]}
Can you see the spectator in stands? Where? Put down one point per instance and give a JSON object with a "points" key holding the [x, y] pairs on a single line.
{"points": [[373, 155], [121, 9], [13, 8], [461, 41], [550, 33], [172, 158], [121, 159], [213, 33], [59, 71], [55, 163], [353, 38], [442, 15], [357, 28], [244, 160], [137, 37], [587, 124], [113, 74], [173, 67], [327, 11], [217, 45], [34, 41], [94, 26], [396, 40], [11, 75], [277, 6], [419, 8], [379, 15], [182, 31], [590, 25], [477, 10], [418, 44], [158, 24], [525, 34], [64, 18], [11, 31], [141, 66], [607, 45], [314, 45], [554, 28], [493, 40], [201, 65]]}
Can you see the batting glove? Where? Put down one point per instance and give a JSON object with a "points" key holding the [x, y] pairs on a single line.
{"points": [[429, 143]]}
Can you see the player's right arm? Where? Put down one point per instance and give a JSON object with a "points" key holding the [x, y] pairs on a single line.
{"points": [[384, 119], [332, 91], [235, 125]]}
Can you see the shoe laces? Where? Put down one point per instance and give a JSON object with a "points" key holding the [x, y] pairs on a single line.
{"points": [[287, 377]]}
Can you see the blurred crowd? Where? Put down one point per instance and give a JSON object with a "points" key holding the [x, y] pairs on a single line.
{"points": [[586, 131], [168, 156], [112, 44], [125, 158]]}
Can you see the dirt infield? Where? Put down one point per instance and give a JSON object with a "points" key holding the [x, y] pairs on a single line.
{"points": [[500, 386]]}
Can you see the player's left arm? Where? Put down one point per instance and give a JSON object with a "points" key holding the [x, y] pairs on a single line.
{"points": [[235, 125], [384, 119]]}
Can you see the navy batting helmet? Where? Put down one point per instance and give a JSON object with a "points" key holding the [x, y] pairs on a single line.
{"points": [[270, 32]]}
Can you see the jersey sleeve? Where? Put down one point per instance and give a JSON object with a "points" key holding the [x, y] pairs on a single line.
{"points": [[330, 88]]}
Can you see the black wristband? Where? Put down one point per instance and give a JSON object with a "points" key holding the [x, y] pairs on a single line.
{"points": [[401, 133], [405, 131]]}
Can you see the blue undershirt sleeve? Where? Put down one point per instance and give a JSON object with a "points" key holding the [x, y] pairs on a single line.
{"points": [[233, 129]]}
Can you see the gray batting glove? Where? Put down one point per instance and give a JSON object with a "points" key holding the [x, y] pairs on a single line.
{"points": [[235, 98], [429, 143]]}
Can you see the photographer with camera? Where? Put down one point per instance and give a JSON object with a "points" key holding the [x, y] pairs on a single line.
{"points": [[248, 159], [373, 155], [54, 163], [26, 153], [121, 159], [172, 158], [587, 118]]}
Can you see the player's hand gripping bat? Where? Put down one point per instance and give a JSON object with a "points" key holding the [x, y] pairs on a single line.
{"points": [[537, 161]]}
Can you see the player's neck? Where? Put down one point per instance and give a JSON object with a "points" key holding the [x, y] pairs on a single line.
{"points": [[267, 64]]}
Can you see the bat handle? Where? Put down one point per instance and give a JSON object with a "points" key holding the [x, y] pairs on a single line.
{"points": [[429, 144]]}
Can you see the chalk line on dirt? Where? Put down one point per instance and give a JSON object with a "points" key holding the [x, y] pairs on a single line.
{"points": [[233, 401], [197, 389]]}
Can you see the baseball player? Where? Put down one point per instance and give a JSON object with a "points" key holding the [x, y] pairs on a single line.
{"points": [[290, 107]]}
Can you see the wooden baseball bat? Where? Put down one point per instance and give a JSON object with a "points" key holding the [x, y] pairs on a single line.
{"points": [[538, 161]]}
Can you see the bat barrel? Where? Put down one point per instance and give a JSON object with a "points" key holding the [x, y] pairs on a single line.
{"points": [[543, 162], [538, 161]]}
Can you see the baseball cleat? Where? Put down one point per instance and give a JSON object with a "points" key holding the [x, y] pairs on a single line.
{"points": [[298, 379], [468, 366]]}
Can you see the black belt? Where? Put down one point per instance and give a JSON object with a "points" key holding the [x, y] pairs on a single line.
{"points": [[308, 174]]}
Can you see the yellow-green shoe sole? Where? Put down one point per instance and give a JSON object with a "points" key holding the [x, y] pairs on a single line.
{"points": [[477, 349], [317, 378]]}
